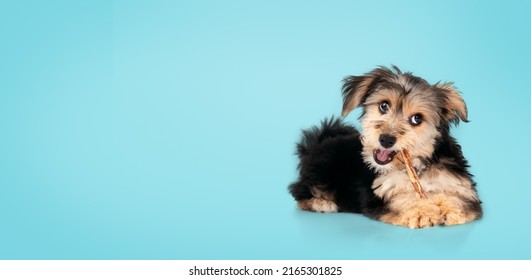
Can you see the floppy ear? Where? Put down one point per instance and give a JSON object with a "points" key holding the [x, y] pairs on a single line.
{"points": [[357, 88], [355, 91], [455, 104]]}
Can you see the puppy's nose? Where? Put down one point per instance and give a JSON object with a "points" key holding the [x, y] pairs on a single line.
{"points": [[387, 141]]}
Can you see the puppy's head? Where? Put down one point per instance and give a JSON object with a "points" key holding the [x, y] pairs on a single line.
{"points": [[401, 111]]}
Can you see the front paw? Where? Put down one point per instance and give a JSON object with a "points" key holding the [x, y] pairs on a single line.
{"points": [[454, 218], [420, 216], [453, 211]]}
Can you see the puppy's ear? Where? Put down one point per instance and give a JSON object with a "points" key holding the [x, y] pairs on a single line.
{"points": [[455, 105], [355, 89]]}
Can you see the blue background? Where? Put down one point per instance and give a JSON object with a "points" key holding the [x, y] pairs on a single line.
{"points": [[166, 129]]}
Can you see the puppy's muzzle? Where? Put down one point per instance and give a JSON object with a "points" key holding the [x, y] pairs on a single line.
{"points": [[385, 154]]}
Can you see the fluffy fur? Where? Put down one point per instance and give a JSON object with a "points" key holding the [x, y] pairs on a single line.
{"points": [[343, 170]]}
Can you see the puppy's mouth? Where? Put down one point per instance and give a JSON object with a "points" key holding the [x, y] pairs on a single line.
{"points": [[383, 156]]}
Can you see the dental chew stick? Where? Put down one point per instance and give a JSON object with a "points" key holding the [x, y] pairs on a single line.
{"points": [[412, 174]]}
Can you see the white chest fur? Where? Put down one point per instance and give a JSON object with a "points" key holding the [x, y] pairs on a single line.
{"points": [[434, 180]]}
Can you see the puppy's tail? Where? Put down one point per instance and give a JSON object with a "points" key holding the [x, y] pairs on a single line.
{"points": [[329, 128]]}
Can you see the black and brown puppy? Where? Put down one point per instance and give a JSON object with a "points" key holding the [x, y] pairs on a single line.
{"points": [[343, 170]]}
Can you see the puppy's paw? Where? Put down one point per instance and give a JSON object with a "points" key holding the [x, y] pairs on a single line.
{"points": [[458, 217], [420, 216], [318, 205], [451, 218], [453, 212]]}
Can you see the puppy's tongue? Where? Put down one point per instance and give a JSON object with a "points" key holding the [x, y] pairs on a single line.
{"points": [[383, 155]]}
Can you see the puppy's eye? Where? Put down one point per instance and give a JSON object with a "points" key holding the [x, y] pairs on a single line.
{"points": [[384, 107], [415, 119]]}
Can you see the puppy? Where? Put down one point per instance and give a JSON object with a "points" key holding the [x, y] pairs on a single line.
{"points": [[343, 170]]}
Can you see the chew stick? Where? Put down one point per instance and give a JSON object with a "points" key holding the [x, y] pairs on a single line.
{"points": [[415, 181]]}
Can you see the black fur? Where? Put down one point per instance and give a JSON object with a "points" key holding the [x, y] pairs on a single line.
{"points": [[332, 171], [330, 160], [449, 156]]}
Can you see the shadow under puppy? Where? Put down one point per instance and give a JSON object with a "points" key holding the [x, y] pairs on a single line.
{"points": [[344, 170]]}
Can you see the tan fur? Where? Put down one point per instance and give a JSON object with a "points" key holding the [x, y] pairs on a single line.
{"points": [[450, 199], [456, 105], [434, 180], [413, 212], [356, 96], [447, 193], [317, 205], [452, 209], [419, 140], [438, 180], [408, 210]]}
